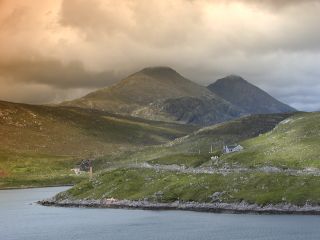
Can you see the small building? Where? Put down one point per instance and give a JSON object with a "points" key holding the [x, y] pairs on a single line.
{"points": [[77, 171], [232, 148]]}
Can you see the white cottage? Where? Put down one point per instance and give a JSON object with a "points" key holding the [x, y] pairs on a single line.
{"points": [[232, 148]]}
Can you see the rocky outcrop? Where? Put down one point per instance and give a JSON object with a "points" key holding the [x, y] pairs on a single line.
{"points": [[229, 169]]}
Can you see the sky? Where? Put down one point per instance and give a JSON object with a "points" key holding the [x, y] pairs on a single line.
{"points": [[56, 50]]}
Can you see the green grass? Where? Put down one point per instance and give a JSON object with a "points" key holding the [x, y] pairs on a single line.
{"points": [[188, 160], [292, 144], [35, 170], [138, 184]]}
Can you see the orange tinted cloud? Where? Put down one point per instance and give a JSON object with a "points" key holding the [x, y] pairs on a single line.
{"points": [[64, 48]]}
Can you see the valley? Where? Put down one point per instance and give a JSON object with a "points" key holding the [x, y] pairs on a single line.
{"points": [[156, 139]]}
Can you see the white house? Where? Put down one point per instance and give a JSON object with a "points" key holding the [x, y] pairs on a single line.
{"points": [[232, 148]]}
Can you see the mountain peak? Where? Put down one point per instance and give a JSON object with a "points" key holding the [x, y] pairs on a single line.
{"points": [[247, 96], [232, 78], [157, 68], [159, 71]]}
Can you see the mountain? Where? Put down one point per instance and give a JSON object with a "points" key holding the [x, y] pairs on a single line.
{"points": [[140, 89], [160, 93], [249, 98]]}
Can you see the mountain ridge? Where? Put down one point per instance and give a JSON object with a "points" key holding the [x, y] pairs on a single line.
{"points": [[161, 93]]}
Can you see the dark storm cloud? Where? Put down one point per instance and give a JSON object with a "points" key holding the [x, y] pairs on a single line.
{"points": [[53, 73]]}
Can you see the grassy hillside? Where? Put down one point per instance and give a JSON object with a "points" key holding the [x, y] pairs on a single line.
{"points": [[36, 137], [294, 143], [185, 150], [160, 186]]}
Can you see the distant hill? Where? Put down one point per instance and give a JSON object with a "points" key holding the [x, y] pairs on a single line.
{"points": [[76, 131], [249, 98], [160, 93]]}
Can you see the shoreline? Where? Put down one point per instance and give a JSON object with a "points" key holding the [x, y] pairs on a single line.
{"points": [[230, 208], [32, 187]]}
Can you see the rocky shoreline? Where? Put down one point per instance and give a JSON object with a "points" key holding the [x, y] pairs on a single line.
{"points": [[228, 170], [235, 208]]}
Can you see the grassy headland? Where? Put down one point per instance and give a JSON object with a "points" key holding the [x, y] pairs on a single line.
{"points": [[162, 186], [292, 144]]}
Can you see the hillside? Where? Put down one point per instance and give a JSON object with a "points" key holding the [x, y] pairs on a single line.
{"points": [[292, 144], [76, 131], [185, 150], [247, 97], [278, 170], [44, 142], [157, 93]]}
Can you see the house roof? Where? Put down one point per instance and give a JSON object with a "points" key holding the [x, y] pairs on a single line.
{"points": [[232, 146]]}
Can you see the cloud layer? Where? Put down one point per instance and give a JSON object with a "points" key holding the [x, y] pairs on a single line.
{"points": [[65, 48]]}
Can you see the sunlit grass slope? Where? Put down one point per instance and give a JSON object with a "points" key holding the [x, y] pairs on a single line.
{"points": [[294, 143]]}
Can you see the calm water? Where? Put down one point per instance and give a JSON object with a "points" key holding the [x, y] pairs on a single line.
{"points": [[21, 218]]}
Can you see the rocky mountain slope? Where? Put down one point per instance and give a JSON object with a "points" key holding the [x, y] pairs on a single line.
{"points": [[140, 89], [249, 98]]}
